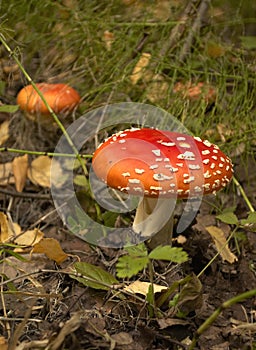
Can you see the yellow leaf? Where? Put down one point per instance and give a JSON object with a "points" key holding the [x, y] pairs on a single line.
{"points": [[139, 287], [139, 68], [157, 88], [109, 38], [225, 131], [60, 176], [20, 168], [51, 248], [4, 132], [162, 10], [30, 237], [40, 170], [221, 244], [3, 343], [214, 50], [7, 230], [6, 176]]}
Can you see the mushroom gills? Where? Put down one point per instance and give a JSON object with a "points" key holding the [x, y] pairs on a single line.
{"points": [[154, 216]]}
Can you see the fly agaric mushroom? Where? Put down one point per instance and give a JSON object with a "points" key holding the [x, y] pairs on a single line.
{"points": [[160, 165], [60, 97]]}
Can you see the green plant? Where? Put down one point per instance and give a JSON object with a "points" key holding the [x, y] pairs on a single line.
{"points": [[137, 258]]}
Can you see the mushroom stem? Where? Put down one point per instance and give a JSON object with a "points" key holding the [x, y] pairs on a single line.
{"points": [[154, 218]]}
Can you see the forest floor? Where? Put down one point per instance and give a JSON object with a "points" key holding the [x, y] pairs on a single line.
{"points": [[96, 49]]}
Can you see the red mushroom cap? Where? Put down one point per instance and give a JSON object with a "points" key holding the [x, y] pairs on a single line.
{"points": [[151, 162], [60, 97]]}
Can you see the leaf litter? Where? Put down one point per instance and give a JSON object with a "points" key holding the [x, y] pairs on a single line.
{"points": [[71, 312]]}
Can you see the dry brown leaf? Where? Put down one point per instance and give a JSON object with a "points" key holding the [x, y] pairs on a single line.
{"points": [[108, 38], [221, 244], [5, 233], [13, 267], [139, 69], [29, 238], [39, 171], [7, 230], [168, 322], [157, 88], [214, 50], [238, 150], [3, 343], [123, 338], [225, 132], [4, 132], [60, 175], [51, 248], [139, 287], [162, 10], [6, 175], [20, 168]]}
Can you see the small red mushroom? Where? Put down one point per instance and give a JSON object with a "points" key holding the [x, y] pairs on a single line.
{"points": [[60, 97], [158, 165]]}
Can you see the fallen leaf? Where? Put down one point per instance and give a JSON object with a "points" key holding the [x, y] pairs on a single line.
{"points": [[139, 68], [122, 338], [221, 244], [214, 50], [95, 326], [225, 132], [195, 91], [3, 343], [4, 228], [139, 287], [51, 248], [168, 322], [238, 150], [14, 267], [6, 174], [108, 38], [4, 132], [29, 238], [7, 230], [190, 296], [20, 168], [157, 88], [39, 171], [60, 173], [162, 10]]}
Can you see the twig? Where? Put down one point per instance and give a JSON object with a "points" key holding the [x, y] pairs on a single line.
{"points": [[19, 329], [179, 28], [17, 319], [207, 323], [25, 195], [42, 153], [186, 48], [8, 328], [244, 195]]}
